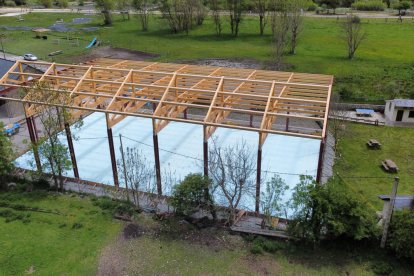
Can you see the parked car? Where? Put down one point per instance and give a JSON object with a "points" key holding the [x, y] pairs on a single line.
{"points": [[30, 57]]}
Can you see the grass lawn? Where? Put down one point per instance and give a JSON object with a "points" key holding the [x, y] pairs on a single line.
{"points": [[357, 160], [68, 243], [385, 56]]}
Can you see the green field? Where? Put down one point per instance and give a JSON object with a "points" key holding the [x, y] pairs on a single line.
{"points": [[360, 167], [66, 234], [65, 240], [385, 57]]}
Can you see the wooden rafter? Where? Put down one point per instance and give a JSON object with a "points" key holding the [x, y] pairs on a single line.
{"points": [[122, 88]]}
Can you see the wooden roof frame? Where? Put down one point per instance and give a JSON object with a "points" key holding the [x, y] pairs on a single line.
{"points": [[122, 88]]}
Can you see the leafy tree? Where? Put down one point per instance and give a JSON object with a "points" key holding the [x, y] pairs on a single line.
{"points": [[331, 4], [296, 8], [6, 155], [191, 195], [401, 6], [178, 13], [401, 238], [261, 8], [280, 21], [271, 198], [105, 7], [53, 152], [331, 211]]}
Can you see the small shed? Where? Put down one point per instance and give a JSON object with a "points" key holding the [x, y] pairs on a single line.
{"points": [[400, 111], [401, 202], [41, 32]]}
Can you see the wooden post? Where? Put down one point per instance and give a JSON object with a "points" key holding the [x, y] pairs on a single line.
{"points": [[34, 143], [157, 163], [71, 151], [320, 161], [34, 128], [113, 158], [124, 166], [185, 113], [258, 178], [387, 219]]}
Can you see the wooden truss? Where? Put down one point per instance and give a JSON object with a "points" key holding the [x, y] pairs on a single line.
{"points": [[165, 92]]}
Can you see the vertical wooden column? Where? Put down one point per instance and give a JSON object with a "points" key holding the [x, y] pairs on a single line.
{"points": [[157, 163], [205, 152], [34, 141], [258, 175], [71, 151], [320, 161], [34, 128], [113, 158]]}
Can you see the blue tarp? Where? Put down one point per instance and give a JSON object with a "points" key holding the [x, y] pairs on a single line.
{"points": [[366, 111]]}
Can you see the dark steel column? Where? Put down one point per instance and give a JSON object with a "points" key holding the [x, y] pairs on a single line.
{"points": [[71, 150], [34, 128], [113, 158], [320, 161], [205, 154], [185, 113], [251, 120], [33, 140], [287, 121], [157, 164], [258, 178]]}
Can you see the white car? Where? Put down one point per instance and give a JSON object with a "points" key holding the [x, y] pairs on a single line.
{"points": [[30, 57]]}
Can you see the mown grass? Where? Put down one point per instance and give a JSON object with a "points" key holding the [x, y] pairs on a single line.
{"points": [[66, 241], [361, 169], [385, 56]]}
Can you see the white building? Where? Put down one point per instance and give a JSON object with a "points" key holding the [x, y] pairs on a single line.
{"points": [[399, 111]]}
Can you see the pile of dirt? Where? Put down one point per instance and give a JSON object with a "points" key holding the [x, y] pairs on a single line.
{"points": [[132, 231], [117, 53]]}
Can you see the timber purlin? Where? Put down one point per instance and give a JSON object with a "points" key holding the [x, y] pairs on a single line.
{"points": [[122, 88]]}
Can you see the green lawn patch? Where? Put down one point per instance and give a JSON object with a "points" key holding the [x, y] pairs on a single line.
{"points": [[358, 164], [54, 234]]}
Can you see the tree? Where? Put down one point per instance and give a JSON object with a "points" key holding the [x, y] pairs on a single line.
{"points": [[261, 7], [199, 11], [216, 6], [123, 7], [190, 195], [235, 8], [137, 173], [331, 4], [296, 8], [53, 152], [105, 7], [143, 8], [280, 21], [271, 199], [232, 170], [401, 238], [6, 155], [178, 13], [331, 211], [352, 34], [401, 6]]}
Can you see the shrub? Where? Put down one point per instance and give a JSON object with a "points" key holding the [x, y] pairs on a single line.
{"points": [[401, 238], [46, 3], [41, 184], [114, 206], [332, 211], [368, 5], [256, 249], [10, 3], [191, 195], [77, 225], [63, 3]]}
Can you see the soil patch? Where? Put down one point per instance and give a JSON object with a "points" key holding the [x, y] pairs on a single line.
{"points": [[132, 231], [231, 63], [117, 53]]}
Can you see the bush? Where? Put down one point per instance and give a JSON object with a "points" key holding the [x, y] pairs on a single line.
{"points": [[118, 207], [368, 5], [332, 211], [41, 184], [401, 238], [10, 3], [191, 195], [256, 249], [63, 3], [46, 3]]}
